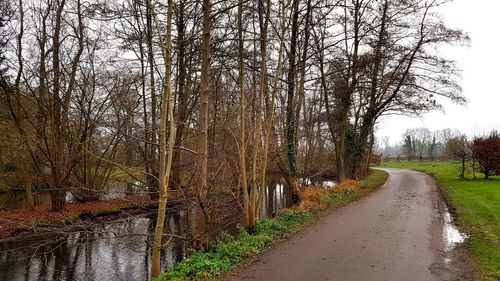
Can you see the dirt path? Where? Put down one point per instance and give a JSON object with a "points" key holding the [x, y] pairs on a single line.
{"points": [[396, 233]]}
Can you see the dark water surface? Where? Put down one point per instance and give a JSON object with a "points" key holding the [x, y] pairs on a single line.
{"points": [[120, 249], [275, 197], [117, 251]]}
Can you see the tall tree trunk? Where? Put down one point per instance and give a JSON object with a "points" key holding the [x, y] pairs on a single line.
{"points": [[324, 88], [264, 12], [269, 129], [203, 121], [182, 98], [57, 143], [474, 167], [26, 176], [27, 184], [302, 71], [62, 158], [347, 88], [145, 110], [242, 140], [153, 158], [166, 149], [462, 171], [291, 128], [360, 168]]}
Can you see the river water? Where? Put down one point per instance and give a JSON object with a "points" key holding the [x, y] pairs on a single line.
{"points": [[120, 249]]}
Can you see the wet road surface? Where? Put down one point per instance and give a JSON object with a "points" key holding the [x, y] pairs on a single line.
{"points": [[395, 233]]}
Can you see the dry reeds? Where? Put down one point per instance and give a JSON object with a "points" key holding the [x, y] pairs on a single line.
{"points": [[313, 197]]}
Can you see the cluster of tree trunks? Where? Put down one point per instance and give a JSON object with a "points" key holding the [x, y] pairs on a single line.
{"points": [[210, 97]]}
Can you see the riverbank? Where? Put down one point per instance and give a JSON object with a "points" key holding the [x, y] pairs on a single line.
{"points": [[24, 221], [475, 203], [228, 253]]}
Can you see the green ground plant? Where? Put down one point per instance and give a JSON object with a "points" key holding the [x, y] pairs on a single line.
{"points": [[476, 204]]}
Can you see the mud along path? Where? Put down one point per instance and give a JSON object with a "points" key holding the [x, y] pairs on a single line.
{"points": [[396, 233]]}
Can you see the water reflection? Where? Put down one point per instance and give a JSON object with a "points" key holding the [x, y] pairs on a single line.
{"points": [[451, 235], [120, 250], [329, 184], [275, 197], [117, 251], [278, 195]]}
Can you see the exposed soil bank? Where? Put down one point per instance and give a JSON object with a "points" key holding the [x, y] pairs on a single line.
{"points": [[395, 233]]}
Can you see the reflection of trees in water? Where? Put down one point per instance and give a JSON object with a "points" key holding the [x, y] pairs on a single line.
{"points": [[118, 250], [71, 269], [276, 196], [48, 261], [87, 246], [83, 255], [61, 256], [148, 242]]}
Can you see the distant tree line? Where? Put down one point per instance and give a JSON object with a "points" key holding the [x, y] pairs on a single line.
{"points": [[418, 144]]}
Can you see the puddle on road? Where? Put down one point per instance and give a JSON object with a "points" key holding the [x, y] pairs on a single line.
{"points": [[451, 235]]}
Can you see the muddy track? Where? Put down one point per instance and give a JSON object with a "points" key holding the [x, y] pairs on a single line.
{"points": [[395, 233]]}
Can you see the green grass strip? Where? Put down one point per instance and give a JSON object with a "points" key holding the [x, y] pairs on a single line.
{"points": [[229, 252]]}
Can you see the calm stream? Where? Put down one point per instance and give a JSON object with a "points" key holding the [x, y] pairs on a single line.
{"points": [[116, 250]]}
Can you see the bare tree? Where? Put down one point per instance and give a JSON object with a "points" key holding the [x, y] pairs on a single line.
{"points": [[459, 147], [203, 188], [166, 144]]}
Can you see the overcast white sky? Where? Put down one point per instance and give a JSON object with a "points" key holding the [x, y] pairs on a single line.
{"points": [[480, 64]]}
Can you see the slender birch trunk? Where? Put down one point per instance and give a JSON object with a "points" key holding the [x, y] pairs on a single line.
{"points": [[242, 139], [269, 124], [166, 149], [257, 185], [152, 159]]}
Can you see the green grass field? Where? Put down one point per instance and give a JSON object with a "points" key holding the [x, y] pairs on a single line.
{"points": [[477, 206]]}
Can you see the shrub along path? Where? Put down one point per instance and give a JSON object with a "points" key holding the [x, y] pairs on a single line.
{"points": [[395, 233]]}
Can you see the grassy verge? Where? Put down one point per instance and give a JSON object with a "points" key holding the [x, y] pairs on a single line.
{"points": [[228, 252], [477, 206]]}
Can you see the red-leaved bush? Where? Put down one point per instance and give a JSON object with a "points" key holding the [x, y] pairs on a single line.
{"points": [[487, 153]]}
